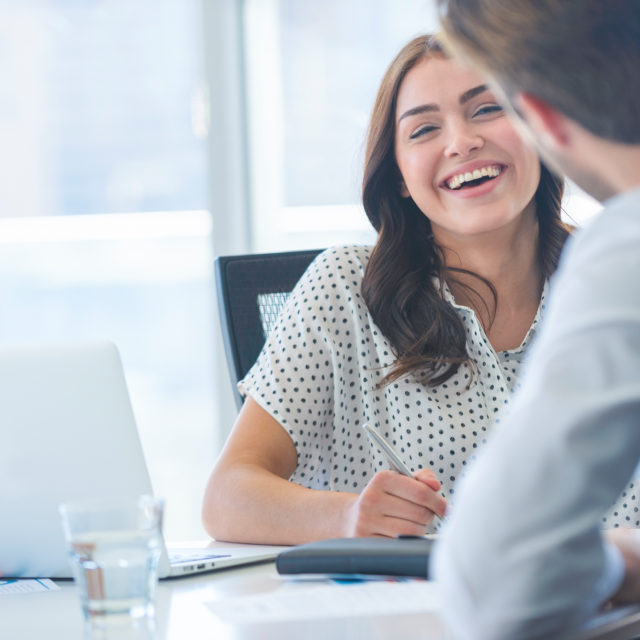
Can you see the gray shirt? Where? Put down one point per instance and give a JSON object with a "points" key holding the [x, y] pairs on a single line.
{"points": [[523, 556]]}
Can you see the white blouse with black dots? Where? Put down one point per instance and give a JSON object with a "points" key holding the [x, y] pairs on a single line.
{"points": [[317, 377]]}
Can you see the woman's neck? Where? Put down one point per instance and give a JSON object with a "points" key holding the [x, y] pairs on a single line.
{"points": [[507, 258]]}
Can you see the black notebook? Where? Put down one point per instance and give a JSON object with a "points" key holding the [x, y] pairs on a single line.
{"points": [[365, 556]]}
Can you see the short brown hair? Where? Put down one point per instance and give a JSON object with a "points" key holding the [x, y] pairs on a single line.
{"points": [[580, 56]]}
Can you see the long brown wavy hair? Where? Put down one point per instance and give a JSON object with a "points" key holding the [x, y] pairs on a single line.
{"points": [[426, 332]]}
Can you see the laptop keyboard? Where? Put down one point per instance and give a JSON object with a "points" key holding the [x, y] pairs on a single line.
{"points": [[182, 558]]}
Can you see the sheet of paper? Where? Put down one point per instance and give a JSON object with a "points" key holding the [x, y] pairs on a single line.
{"points": [[330, 601], [11, 587]]}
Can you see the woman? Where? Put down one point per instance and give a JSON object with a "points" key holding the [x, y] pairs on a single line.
{"points": [[421, 336]]}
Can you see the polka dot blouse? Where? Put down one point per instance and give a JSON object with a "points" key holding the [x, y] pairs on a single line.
{"points": [[317, 376]]}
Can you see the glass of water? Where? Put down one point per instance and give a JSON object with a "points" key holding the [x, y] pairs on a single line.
{"points": [[115, 547]]}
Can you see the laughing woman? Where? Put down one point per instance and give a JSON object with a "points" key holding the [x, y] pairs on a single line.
{"points": [[423, 336]]}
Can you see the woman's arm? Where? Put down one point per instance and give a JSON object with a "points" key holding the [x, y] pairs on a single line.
{"points": [[250, 499]]}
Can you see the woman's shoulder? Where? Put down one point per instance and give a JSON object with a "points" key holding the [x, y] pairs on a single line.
{"points": [[331, 287], [342, 262]]}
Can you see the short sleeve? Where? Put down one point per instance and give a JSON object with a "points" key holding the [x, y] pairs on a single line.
{"points": [[295, 374]]}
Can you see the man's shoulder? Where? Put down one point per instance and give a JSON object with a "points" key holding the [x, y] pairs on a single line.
{"points": [[616, 227], [597, 279]]}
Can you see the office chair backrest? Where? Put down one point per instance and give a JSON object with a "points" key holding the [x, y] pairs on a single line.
{"points": [[251, 291]]}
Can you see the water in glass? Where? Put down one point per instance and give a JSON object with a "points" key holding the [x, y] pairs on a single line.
{"points": [[116, 571]]}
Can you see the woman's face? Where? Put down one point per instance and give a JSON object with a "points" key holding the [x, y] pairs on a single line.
{"points": [[461, 160]]}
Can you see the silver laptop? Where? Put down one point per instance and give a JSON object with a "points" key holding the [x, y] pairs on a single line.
{"points": [[67, 433]]}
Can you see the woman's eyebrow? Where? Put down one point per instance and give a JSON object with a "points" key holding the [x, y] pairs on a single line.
{"points": [[428, 108], [472, 93], [423, 108]]}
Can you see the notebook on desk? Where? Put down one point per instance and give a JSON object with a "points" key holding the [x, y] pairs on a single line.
{"points": [[67, 433]]}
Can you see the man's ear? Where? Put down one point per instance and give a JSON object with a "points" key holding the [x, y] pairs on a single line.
{"points": [[402, 186], [546, 123]]}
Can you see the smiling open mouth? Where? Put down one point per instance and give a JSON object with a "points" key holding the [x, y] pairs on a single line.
{"points": [[473, 178]]}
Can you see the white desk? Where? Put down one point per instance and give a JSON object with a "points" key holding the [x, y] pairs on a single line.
{"points": [[182, 615]]}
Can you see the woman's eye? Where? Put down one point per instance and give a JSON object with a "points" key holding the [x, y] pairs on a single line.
{"points": [[422, 131], [490, 108]]}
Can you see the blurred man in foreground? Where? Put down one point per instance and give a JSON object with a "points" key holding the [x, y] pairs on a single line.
{"points": [[524, 556]]}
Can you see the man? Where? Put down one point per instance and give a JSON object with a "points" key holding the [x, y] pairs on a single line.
{"points": [[524, 556]]}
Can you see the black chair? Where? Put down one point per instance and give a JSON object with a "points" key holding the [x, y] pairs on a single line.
{"points": [[251, 292]]}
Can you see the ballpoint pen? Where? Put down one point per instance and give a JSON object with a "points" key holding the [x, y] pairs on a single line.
{"points": [[392, 456]]}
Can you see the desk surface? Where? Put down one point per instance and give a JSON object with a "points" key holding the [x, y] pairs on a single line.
{"points": [[181, 614]]}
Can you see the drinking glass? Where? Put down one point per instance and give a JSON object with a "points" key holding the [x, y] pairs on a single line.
{"points": [[114, 548]]}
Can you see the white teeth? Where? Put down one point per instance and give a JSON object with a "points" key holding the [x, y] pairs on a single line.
{"points": [[456, 181]]}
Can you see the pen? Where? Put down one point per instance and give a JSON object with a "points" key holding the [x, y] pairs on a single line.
{"points": [[392, 456]]}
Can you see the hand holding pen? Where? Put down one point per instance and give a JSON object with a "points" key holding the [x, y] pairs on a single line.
{"points": [[396, 503], [393, 458]]}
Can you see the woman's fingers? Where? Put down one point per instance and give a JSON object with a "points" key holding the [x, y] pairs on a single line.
{"points": [[429, 478], [416, 491], [438, 504], [628, 543], [392, 504], [380, 525]]}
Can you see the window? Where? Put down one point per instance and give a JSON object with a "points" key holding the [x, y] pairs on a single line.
{"points": [[104, 228], [313, 70]]}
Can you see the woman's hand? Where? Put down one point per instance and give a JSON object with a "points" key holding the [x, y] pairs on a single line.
{"points": [[628, 543], [249, 497], [392, 504]]}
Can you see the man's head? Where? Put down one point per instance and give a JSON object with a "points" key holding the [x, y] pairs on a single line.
{"points": [[569, 68]]}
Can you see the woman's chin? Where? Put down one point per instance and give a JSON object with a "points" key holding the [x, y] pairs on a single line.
{"points": [[477, 226]]}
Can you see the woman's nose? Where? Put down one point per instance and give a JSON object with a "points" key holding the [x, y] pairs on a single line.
{"points": [[463, 140]]}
